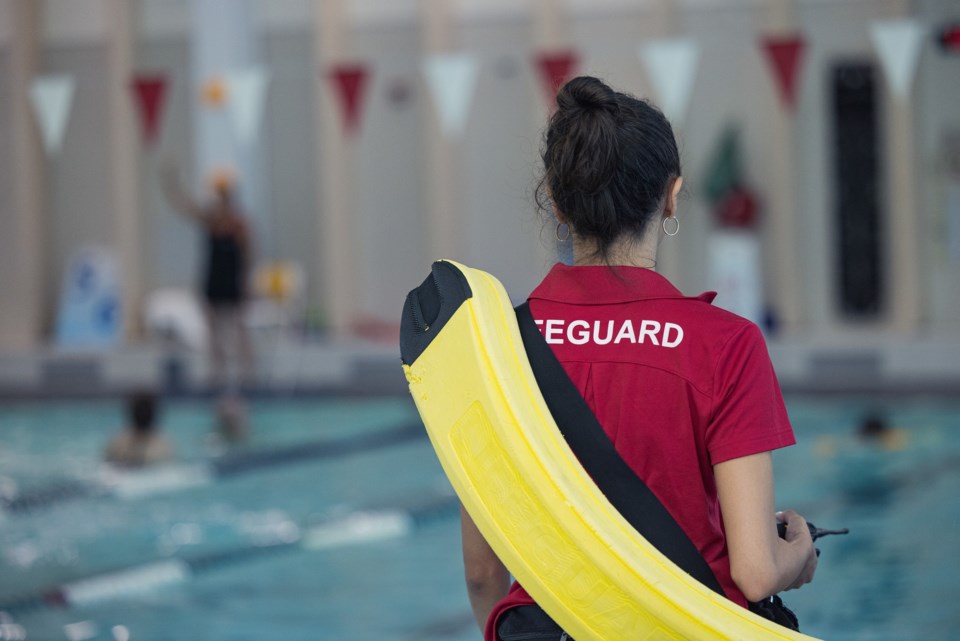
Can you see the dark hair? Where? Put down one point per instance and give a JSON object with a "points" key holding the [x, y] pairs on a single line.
{"points": [[142, 410], [608, 158], [872, 426]]}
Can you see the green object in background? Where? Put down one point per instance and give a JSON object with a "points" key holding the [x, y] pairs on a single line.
{"points": [[315, 320], [725, 169]]}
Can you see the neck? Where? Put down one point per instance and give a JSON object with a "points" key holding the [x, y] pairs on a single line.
{"points": [[625, 251]]}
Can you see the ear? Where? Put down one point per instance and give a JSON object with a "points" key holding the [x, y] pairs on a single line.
{"points": [[674, 191]]}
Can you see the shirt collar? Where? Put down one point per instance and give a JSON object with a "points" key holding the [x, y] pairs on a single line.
{"points": [[602, 285]]}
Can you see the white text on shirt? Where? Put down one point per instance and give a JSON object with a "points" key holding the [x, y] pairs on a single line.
{"points": [[579, 332]]}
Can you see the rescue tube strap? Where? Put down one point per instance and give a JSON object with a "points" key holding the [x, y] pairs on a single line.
{"points": [[619, 483]]}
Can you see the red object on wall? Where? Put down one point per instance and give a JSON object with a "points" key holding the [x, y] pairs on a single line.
{"points": [[555, 69], [350, 81], [149, 92], [738, 208], [785, 53], [949, 38]]}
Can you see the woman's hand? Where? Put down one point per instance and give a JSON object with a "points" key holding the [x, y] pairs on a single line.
{"points": [[798, 535], [761, 563]]}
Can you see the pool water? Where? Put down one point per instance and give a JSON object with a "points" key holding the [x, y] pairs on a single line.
{"points": [[356, 542]]}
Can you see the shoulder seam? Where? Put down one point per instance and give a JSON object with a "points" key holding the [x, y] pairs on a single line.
{"points": [[716, 364]]}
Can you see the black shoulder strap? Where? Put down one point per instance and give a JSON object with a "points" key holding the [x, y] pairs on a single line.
{"points": [[618, 482]]}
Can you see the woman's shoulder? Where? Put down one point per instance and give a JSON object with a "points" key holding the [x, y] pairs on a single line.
{"points": [[714, 325]]}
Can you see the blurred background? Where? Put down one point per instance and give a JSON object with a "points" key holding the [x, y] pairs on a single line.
{"points": [[212, 210]]}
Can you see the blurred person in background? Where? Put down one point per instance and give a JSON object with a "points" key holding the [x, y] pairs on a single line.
{"points": [[872, 432], [227, 262], [232, 425], [874, 428], [139, 444]]}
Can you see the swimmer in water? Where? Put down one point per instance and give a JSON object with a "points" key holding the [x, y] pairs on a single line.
{"points": [[139, 444]]}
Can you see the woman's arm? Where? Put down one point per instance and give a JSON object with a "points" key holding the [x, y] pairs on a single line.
{"points": [[487, 578], [176, 195], [761, 563]]}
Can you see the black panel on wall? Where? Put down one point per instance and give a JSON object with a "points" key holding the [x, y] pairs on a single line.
{"points": [[857, 188]]}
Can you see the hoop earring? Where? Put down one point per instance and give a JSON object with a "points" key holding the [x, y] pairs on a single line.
{"points": [[567, 236], [676, 228]]}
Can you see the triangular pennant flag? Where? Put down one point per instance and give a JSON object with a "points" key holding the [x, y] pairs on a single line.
{"points": [[555, 69], [52, 97], [350, 81], [898, 44], [672, 65], [949, 37], [149, 93], [452, 79], [246, 91], [785, 54]]}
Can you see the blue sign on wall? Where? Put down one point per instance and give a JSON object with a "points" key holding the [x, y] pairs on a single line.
{"points": [[89, 311]]}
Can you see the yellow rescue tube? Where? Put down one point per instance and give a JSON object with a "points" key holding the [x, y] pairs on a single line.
{"points": [[524, 488]]}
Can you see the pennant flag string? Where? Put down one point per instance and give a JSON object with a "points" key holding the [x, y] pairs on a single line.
{"points": [[350, 82], [672, 66], [452, 79], [149, 94], [898, 44], [785, 54], [555, 68], [52, 98]]}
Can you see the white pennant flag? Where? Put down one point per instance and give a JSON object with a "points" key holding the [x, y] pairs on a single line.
{"points": [[898, 44], [246, 95], [452, 79], [672, 65], [52, 97]]}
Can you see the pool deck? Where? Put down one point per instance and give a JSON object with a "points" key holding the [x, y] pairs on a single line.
{"points": [[856, 362]]}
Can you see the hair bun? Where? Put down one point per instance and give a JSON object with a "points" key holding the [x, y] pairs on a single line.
{"points": [[586, 92], [608, 159]]}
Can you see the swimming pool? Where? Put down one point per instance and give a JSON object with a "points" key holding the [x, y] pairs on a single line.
{"points": [[335, 522]]}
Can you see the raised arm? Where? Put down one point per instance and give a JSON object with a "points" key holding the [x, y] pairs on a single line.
{"points": [[761, 563], [178, 198], [487, 578]]}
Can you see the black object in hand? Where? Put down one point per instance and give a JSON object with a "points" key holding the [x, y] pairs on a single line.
{"points": [[815, 532]]}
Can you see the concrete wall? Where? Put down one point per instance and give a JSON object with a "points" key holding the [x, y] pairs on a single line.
{"points": [[79, 210], [8, 240], [936, 116], [171, 243], [496, 160]]}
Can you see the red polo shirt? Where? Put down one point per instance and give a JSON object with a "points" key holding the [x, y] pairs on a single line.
{"points": [[678, 385]]}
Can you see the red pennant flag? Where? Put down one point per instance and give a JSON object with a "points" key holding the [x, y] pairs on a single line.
{"points": [[784, 54], [350, 81], [149, 91], [950, 37], [555, 69]]}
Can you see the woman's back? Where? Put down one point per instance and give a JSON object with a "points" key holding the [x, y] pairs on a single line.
{"points": [[678, 385]]}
